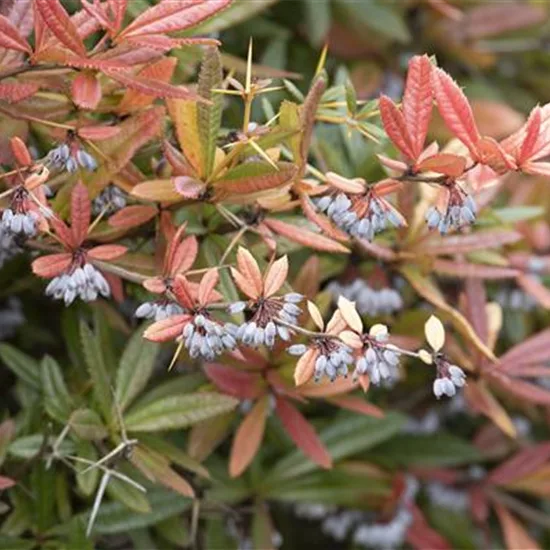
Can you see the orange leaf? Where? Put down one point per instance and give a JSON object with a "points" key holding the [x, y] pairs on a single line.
{"points": [[14, 92], [244, 284], [455, 110], [86, 90], [59, 22], [417, 102], [167, 329], [248, 438], [515, 535], [463, 243], [185, 256], [443, 163], [491, 153], [107, 252], [98, 133], [248, 268], [20, 152], [326, 388], [160, 71], [157, 190], [208, 282], [302, 433], [522, 464], [532, 130], [305, 367], [304, 237], [80, 212], [319, 219], [357, 404], [395, 127], [168, 16], [10, 37], [132, 216], [276, 276], [184, 292], [51, 265]]}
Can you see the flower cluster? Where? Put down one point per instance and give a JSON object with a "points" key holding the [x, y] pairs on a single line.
{"points": [[19, 223], [110, 200], [368, 300], [8, 245], [84, 282], [268, 316], [460, 211], [362, 216], [69, 156], [158, 310], [333, 358], [204, 337]]}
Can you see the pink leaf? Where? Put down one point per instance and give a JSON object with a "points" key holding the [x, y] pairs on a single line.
{"points": [[417, 102], [86, 90], [107, 252], [523, 463], [302, 433], [533, 350], [167, 329], [234, 381], [10, 37], [455, 110], [80, 212], [51, 265], [395, 126], [132, 216]]}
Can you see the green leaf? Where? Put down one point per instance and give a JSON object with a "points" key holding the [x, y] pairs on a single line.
{"points": [[12, 543], [176, 385], [513, 214], [22, 365], [127, 494], [170, 413], [30, 445], [57, 400], [210, 116], [42, 483], [136, 367], [97, 368], [436, 450], [86, 482], [317, 20], [343, 438], [114, 517], [87, 424], [384, 18]]}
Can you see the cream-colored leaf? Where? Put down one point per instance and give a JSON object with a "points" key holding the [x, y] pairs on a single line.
{"points": [[378, 330], [350, 315], [494, 322], [425, 356], [351, 339], [315, 315], [435, 333]]}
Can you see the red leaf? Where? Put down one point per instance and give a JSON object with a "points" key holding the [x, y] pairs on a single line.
{"points": [[248, 438], [185, 256], [421, 536], [465, 270], [533, 286], [6, 483], [171, 16], [118, 8], [394, 125], [80, 212], [304, 236], [532, 130], [443, 163], [417, 102], [132, 216], [10, 37], [107, 252], [234, 381], [524, 390], [151, 87], [456, 244], [59, 22], [183, 292], [533, 350], [167, 329], [12, 93], [208, 283], [160, 71], [63, 233], [302, 433], [86, 90], [52, 265], [515, 534], [357, 404], [98, 133], [523, 463], [20, 152], [455, 110]]}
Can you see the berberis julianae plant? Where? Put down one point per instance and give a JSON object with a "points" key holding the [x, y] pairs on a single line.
{"points": [[292, 295]]}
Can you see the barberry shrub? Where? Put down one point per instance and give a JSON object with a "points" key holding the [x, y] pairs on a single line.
{"points": [[250, 332]]}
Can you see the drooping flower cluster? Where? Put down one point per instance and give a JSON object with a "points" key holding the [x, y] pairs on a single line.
{"points": [[449, 377], [271, 315], [359, 210], [195, 328], [110, 200], [368, 300], [84, 282], [460, 210], [158, 310], [70, 155], [9, 247], [71, 272]]}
